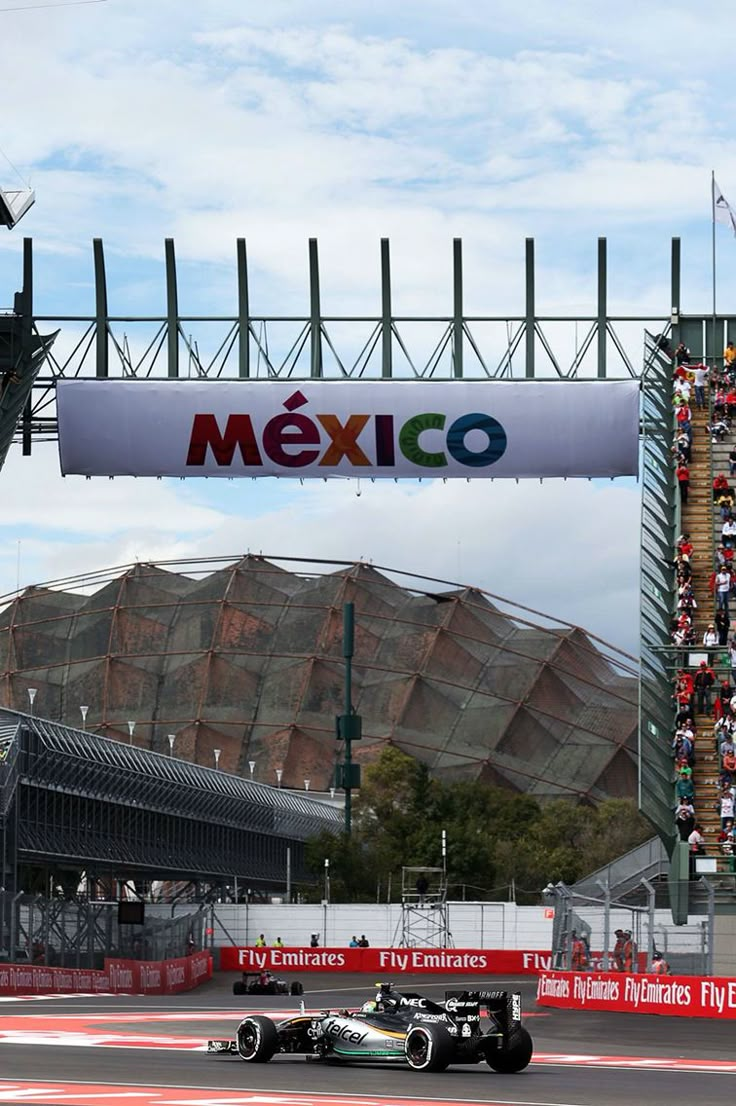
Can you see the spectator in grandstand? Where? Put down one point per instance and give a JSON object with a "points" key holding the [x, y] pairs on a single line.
{"points": [[686, 598], [696, 841], [732, 461], [684, 788], [683, 570], [728, 530], [682, 390], [729, 355], [731, 402], [720, 485], [685, 416], [725, 806], [724, 556], [682, 354], [727, 746], [683, 446], [704, 680], [726, 839], [723, 589], [684, 818], [718, 429], [685, 547], [724, 503], [722, 627], [728, 764], [700, 379], [683, 480]]}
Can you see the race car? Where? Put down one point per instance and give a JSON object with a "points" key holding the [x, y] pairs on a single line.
{"points": [[264, 983], [396, 1028]]}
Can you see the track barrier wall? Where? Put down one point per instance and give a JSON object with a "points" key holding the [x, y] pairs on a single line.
{"points": [[684, 996], [127, 977], [485, 961]]}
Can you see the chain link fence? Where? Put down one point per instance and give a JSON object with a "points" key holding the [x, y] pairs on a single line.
{"points": [[81, 934], [600, 933]]}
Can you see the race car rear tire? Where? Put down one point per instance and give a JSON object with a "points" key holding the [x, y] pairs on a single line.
{"points": [[258, 1039], [297, 988], [514, 1058], [238, 988], [428, 1047]]}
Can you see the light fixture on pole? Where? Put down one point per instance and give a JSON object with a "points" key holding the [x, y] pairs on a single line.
{"points": [[306, 784], [252, 766], [279, 774], [84, 711], [216, 753], [172, 739], [131, 729], [32, 692], [327, 879]]}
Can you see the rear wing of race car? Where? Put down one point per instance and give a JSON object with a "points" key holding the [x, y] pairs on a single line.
{"points": [[502, 1007]]}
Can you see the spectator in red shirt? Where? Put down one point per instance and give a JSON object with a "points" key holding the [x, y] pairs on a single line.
{"points": [[683, 479]]}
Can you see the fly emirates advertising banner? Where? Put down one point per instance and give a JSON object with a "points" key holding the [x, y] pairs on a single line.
{"points": [[334, 428]]}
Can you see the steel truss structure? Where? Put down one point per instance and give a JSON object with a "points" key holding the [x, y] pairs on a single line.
{"points": [[246, 344], [70, 798]]}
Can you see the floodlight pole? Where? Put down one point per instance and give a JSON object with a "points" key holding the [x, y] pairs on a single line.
{"points": [[348, 626]]}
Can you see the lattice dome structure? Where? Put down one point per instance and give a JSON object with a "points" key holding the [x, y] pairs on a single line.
{"points": [[245, 656]]}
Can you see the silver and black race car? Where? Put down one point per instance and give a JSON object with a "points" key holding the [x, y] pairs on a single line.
{"points": [[396, 1028]]}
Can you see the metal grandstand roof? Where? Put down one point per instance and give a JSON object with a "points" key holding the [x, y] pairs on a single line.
{"points": [[80, 762]]}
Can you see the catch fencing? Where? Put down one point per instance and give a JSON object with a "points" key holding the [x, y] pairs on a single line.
{"points": [[688, 949], [82, 934]]}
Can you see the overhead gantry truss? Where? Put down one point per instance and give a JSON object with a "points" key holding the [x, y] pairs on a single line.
{"points": [[250, 345]]}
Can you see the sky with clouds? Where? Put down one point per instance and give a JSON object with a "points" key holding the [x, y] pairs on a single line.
{"points": [[420, 121]]}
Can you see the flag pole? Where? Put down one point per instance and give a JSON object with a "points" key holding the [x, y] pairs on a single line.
{"points": [[713, 250]]}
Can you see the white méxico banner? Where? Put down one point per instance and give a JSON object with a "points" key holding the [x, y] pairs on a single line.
{"points": [[321, 428]]}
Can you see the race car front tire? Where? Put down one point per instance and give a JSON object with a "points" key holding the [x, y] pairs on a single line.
{"points": [[239, 988], [516, 1057], [428, 1047], [258, 1039], [297, 988]]}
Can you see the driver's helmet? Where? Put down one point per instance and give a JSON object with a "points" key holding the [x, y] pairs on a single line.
{"points": [[369, 1007]]}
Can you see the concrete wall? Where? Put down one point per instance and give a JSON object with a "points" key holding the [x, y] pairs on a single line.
{"points": [[472, 925]]}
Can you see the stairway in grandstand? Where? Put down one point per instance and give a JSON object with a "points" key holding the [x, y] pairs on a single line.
{"points": [[702, 521]]}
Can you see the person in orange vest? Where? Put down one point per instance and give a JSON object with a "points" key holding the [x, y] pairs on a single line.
{"points": [[618, 952], [629, 952], [579, 955], [660, 965]]}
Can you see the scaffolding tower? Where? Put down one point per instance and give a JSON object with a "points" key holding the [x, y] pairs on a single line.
{"points": [[424, 922]]}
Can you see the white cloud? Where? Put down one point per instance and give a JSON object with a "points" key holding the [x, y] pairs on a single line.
{"points": [[419, 121]]}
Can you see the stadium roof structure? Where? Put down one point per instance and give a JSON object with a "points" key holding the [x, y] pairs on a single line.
{"points": [[244, 655]]}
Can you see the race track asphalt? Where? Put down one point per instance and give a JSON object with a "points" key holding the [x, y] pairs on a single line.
{"points": [[571, 1033]]}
